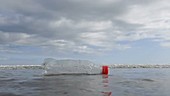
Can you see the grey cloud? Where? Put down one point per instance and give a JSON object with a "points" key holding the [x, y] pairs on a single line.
{"points": [[42, 21], [43, 12], [90, 10]]}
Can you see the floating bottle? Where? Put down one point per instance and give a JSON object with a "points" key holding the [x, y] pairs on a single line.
{"points": [[58, 67]]}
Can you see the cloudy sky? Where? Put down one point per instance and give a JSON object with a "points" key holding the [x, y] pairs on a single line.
{"points": [[103, 31]]}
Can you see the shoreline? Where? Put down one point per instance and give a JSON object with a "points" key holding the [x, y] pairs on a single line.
{"points": [[21, 67], [139, 66], [113, 66]]}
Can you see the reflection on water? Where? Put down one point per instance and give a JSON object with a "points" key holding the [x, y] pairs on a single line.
{"points": [[105, 82], [71, 85], [66, 85], [121, 82]]}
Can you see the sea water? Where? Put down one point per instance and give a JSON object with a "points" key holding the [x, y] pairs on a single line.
{"points": [[120, 82]]}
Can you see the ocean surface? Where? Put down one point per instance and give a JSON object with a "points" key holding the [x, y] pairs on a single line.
{"points": [[120, 82]]}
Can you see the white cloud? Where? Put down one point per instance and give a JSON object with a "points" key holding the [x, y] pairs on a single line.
{"points": [[155, 19], [61, 22], [94, 38], [8, 37], [84, 26], [95, 25]]}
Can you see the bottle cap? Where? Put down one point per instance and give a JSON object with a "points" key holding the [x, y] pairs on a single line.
{"points": [[105, 70]]}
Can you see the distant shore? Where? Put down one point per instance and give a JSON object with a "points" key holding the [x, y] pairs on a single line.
{"points": [[110, 66], [139, 66], [21, 67]]}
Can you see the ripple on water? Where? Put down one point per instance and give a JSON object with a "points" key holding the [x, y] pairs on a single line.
{"points": [[8, 94], [147, 80]]}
